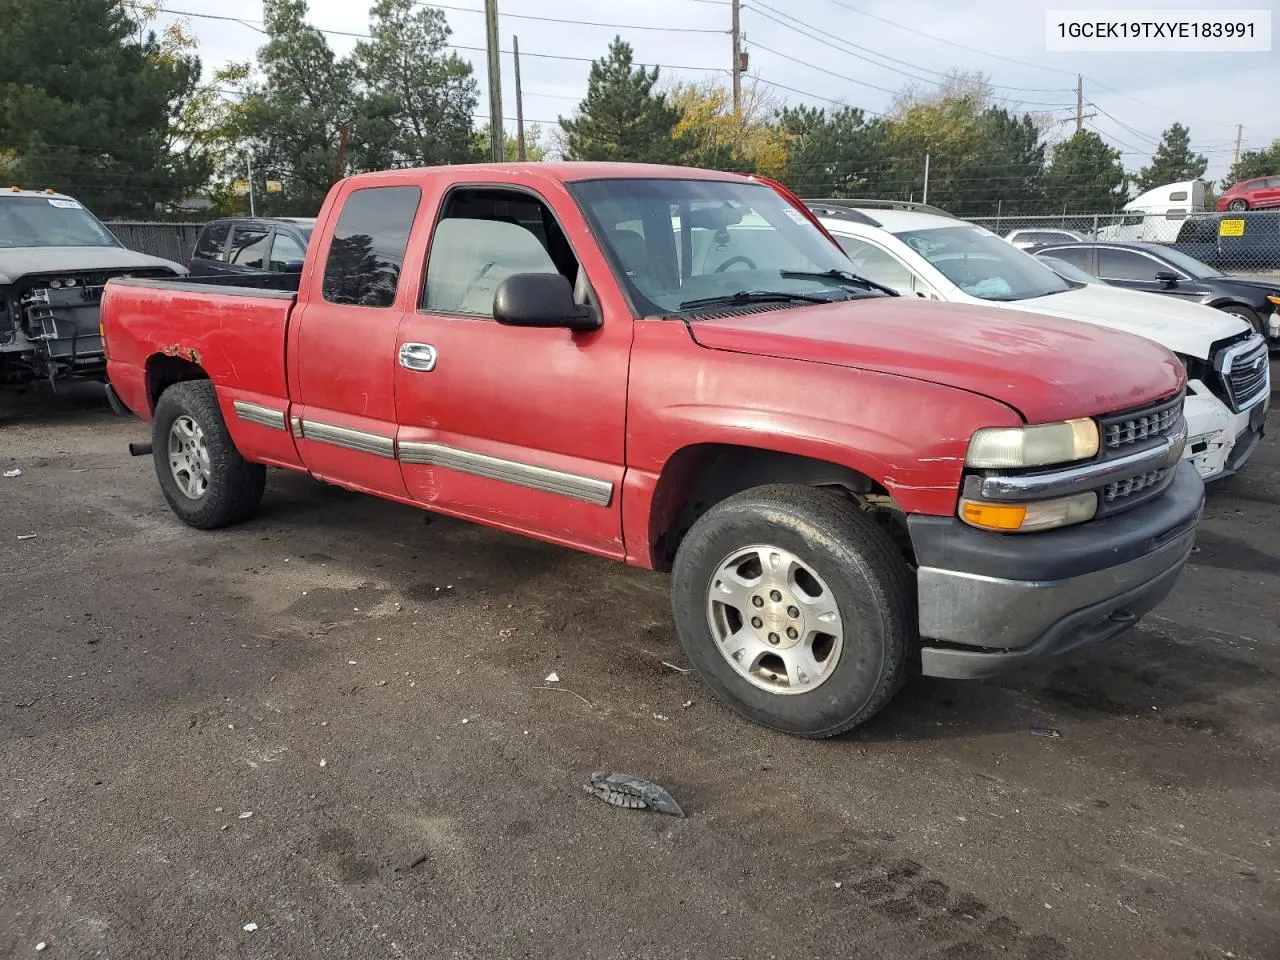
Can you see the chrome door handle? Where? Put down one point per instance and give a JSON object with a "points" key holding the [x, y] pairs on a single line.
{"points": [[418, 356]]}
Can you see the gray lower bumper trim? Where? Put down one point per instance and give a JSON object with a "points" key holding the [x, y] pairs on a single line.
{"points": [[991, 612]]}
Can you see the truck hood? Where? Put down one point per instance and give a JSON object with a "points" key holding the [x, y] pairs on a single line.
{"points": [[1045, 368], [19, 262], [1183, 327]]}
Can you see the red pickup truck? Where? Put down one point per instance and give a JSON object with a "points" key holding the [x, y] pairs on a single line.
{"points": [[677, 369]]}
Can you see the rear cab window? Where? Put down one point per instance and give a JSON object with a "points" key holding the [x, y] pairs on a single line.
{"points": [[212, 242], [366, 254], [249, 246]]}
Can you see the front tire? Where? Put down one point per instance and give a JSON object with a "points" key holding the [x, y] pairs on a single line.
{"points": [[1238, 205], [204, 478], [795, 608]]}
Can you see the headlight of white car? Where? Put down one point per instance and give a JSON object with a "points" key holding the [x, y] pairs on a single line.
{"points": [[1033, 446]]}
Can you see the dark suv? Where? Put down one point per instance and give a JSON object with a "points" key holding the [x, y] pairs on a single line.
{"points": [[251, 245]]}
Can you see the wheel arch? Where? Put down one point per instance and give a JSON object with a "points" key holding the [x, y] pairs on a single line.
{"points": [[163, 370], [698, 476]]}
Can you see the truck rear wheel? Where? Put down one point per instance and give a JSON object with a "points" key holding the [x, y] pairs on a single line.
{"points": [[795, 608], [204, 478]]}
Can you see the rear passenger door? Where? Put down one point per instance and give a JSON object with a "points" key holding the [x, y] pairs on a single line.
{"points": [[520, 428], [208, 259], [343, 341]]}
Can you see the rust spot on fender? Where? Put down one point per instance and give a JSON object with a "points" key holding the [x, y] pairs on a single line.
{"points": [[177, 350]]}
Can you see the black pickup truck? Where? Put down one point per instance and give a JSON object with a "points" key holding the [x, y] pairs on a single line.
{"points": [[55, 259]]}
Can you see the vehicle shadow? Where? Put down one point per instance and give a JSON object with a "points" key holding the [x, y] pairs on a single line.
{"points": [[39, 404]]}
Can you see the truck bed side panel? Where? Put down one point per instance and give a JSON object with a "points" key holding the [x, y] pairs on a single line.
{"points": [[237, 336]]}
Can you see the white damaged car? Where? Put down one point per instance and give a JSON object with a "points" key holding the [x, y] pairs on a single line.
{"points": [[926, 253]]}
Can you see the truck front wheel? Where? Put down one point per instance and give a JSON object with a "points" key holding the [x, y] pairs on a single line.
{"points": [[795, 608], [204, 478]]}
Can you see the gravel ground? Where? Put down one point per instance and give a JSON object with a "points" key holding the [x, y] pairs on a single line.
{"points": [[334, 723]]}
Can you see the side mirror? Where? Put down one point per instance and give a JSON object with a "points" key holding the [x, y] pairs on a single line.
{"points": [[540, 300], [292, 266], [1167, 277]]}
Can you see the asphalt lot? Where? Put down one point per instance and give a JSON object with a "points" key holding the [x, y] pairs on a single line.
{"points": [[368, 682]]}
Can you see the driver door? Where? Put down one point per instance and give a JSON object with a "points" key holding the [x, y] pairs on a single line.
{"points": [[521, 428]]}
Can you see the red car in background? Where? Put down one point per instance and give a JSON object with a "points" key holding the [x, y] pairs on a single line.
{"points": [[1256, 194]]}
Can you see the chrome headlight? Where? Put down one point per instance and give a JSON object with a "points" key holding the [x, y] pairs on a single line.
{"points": [[1034, 446]]}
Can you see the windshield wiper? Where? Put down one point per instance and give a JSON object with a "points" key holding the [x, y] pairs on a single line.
{"points": [[751, 296], [846, 275]]}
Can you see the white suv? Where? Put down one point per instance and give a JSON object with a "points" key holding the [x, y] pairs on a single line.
{"points": [[927, 253]]}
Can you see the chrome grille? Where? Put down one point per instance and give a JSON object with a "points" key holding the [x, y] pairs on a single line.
{"points": [[1151, 423], [1132, 485], [1142, 427], [1245, 372]]}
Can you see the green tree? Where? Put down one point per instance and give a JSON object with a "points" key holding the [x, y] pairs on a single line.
{"points": [[835, 153], [291, 123], [415, 100], [621, 117], [1085, 175], [1173, 161], [88, 98], [1255, 163], [1005, 172], [535, 147]]}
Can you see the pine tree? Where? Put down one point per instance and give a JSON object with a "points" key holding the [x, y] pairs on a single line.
{"points": [[621, 118], [1085, 175], [88, 103], [1173, 161]]}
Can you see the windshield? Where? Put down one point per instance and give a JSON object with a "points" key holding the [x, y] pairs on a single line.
{"points": [[983, 265], [50, 222], [677, 241], [1190, 265], [1069, 271]]}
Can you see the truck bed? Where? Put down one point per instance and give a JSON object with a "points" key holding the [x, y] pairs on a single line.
{"points": [[234, 332]]}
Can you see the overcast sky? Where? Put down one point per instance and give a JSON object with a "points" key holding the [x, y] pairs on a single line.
{"points": [[1133, 96]]}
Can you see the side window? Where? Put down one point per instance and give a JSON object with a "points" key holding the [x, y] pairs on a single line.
{"points": [[285, 248], [366, 255], [485, 235], [1126, 265], [212, 242], [249, 246], [1076, 256], [876, 264]]}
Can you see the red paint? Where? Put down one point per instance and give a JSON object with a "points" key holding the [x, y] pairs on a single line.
{"points": [[892, 388]]}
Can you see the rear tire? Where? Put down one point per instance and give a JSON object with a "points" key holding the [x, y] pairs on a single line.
{"points": [[204, 478], [1247, 315], [1238, 205], [829, 578]]}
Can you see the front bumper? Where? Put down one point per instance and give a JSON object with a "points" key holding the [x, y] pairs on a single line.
{"points": [[991, 602], [1220, 442]]}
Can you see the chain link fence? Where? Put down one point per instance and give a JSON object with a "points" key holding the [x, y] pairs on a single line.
{"points": [[172, 241], [1248, 241]]}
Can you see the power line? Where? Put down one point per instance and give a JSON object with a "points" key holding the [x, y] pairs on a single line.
{"points": [[815, 34], [818, 96], [576, 23], [452, 46], [814, 66]]}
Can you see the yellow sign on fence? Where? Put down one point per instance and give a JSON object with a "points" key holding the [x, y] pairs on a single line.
{"points": [[275, 186], [1231, 228], [240, 187]]}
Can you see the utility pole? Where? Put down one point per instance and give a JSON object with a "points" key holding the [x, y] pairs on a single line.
{"points": [[737, 59], [515, 49], [1239, 132], [925, 197], [497, 133], [344, 134], [248, 159], [1079, 103]]}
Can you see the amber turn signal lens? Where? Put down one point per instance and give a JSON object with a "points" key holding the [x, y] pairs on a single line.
{"points": [[994, 516]]}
